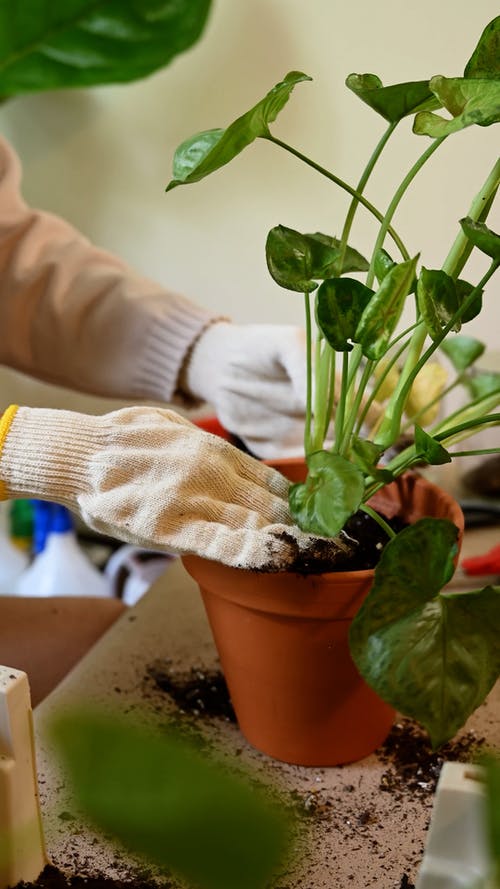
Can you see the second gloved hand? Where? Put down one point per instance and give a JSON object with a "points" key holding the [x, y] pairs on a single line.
{"points": [[254, 375], [149, 477]]}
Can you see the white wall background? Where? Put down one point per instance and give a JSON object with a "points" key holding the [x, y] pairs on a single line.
{"points": [[102, 157]]}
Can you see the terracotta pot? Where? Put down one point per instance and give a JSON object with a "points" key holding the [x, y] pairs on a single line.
{"points": [[282, 640]]}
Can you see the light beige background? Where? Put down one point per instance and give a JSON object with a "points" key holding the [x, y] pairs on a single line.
{"points": [[102, 157]]}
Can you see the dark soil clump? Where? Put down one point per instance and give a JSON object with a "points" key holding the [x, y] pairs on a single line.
{"points": [[357, 548], [197, 692], [370, 537], [52, 878], [414, 766]]}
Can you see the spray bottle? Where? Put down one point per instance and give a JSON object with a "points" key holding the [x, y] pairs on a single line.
{"points": [[60, 567]]}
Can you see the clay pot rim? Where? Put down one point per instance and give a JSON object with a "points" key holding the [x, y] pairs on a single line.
{"points": [[327, 576]]}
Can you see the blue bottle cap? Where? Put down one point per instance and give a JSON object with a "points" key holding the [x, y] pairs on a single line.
{"points": [[41, 523], [61, 519]]}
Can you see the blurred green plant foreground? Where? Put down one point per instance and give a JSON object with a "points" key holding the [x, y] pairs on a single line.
{"points": [[182, 810]]}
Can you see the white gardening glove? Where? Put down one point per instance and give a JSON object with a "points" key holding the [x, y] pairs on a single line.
{"points": [[149, 477], [255, 378]]}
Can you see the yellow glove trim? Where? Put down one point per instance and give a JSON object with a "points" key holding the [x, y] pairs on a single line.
{"points": [[5, 424]]}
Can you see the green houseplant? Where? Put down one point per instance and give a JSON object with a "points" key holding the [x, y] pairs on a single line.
{"points": [[431, 655]]}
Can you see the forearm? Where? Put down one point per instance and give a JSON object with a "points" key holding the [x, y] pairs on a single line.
{"points": [[77, 316]]}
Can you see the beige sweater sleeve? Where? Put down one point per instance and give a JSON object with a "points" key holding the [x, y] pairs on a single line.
{"points": [[77, 316]]}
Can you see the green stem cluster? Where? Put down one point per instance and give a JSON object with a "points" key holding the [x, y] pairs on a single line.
{"points": [[350, 398]]}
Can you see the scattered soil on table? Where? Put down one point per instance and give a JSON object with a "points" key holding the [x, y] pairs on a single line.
{"points": [[52, 878], [414, 768], [197, 692]]}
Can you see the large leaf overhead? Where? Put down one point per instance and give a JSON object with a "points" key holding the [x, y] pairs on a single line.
{"points": [[82, 43]]}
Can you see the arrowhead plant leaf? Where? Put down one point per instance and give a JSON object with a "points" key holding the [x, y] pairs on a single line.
{"points": [[463, 351], [333, 492], [429, 449], [298, 262], [379, 319], [469, 101], [206, 152], [432, 655], [485, 60], [340, 303], [484, 384], [437, 300], [482, 237], [392, 102]]}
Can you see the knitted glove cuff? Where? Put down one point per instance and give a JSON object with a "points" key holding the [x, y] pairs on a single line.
{"points": [[6, 420], [44, 453]]}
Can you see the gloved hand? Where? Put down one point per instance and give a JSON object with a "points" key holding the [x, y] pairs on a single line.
{"points": [[149, 477], [255, 377]]}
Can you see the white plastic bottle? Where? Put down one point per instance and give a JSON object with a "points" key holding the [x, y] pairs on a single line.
{"points": [[61, 568], [13, 562]]}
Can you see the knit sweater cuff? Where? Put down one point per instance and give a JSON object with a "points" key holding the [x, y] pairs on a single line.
{"points": [[167, 344], [45, 454]]}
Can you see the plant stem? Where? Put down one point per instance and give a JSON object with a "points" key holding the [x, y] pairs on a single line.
{"points": [[462, 246], [360, 188], [389, 430], [331, 394], [475, 453], [355, 407], [486, 420], [322, 394], [378, 519], [403, 461], [398, 195], [340, 412], [387, 369], [470, 411], [307, 427], [340, 182]]}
